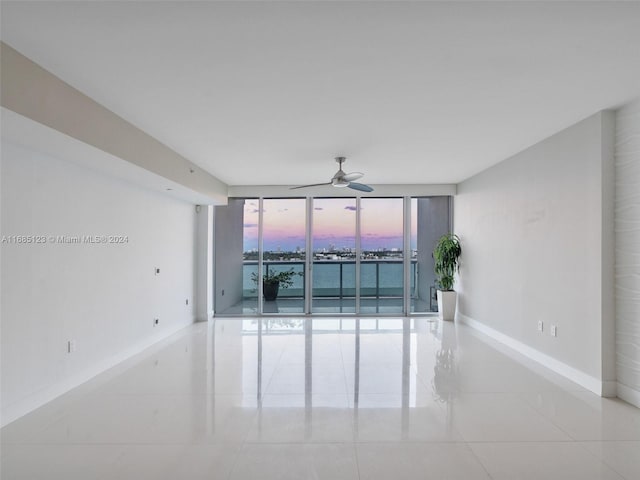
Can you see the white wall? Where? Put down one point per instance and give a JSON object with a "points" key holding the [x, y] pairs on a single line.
{"points": [[35, 93], [627, 221], [537, 234], [103, 296]]}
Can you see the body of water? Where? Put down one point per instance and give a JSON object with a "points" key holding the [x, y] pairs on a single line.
{"points": [[338, 278]]}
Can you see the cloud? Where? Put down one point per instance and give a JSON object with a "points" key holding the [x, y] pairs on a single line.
{"points": [[250, 225], [349, 207], [318, 208], [380, 236]]}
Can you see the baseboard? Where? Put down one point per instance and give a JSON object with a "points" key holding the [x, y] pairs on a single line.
{"points": [[204, 318], [629, 395], [14, 411], [604, 389]]}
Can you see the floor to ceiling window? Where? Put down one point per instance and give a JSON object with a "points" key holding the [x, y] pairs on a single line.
{"points": [[284, 251], [369, 256], [382, 255], [333, 237]]}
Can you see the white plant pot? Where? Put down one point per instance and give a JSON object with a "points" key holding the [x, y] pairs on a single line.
{"points": [[447, 305]]}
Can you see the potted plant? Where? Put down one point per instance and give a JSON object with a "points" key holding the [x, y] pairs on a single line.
{"points": [[272, 281], [445, 256]]}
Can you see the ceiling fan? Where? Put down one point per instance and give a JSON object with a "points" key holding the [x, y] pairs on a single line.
{"points": [[341, 179]]}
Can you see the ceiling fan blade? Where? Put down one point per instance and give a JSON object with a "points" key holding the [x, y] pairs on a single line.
{"points": [[312, 185], [360, 186], [350, 177]]}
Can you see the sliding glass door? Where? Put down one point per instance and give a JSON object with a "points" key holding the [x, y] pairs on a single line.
{"points": [[382, 255], [369, 256], [333, 240], [283, 255]]}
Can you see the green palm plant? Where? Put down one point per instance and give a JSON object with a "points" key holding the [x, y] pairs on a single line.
{"points": [[445, 255], [283, 278], [273, 280]]}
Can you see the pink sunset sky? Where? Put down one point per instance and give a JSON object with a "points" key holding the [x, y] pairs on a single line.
{"points": [[333, 223]]}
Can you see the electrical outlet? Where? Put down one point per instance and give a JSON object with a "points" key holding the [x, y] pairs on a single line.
{"points": [[540, 326], [71, 346], [157, 271], [554, 331], [186, 301], [156, 321], [223, 292]]}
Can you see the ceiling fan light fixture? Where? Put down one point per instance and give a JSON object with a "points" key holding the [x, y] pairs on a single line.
{"points": [[339, 182]]}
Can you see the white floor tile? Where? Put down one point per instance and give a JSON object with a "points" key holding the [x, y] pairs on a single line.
{"points": [[478, 377], [171, 462], [414, 461], [385, 379], [153, 419], [290, 424], [216, 402], [305, 401], [425, 424], [500, 417], [623, 457], [60, 462], [541, 461], [293, 379], [296, 462], [585, 416]]}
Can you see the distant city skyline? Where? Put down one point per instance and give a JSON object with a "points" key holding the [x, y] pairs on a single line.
{"points": [[333, 224]]}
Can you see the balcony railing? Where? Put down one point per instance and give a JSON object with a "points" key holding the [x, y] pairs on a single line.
{"points": [[380, 278]]}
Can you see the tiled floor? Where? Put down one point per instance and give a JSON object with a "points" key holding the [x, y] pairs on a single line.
{"points": [[420, 400], [331, 306]]}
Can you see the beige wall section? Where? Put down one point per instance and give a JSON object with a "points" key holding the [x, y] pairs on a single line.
{"points": [[37, 94]]}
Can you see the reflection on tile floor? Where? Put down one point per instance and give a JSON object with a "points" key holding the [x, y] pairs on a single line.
{"points": [[332, 306], [327, 399]]}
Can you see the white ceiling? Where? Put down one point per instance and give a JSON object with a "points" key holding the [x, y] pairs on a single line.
{"points": [[268, 93]]}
